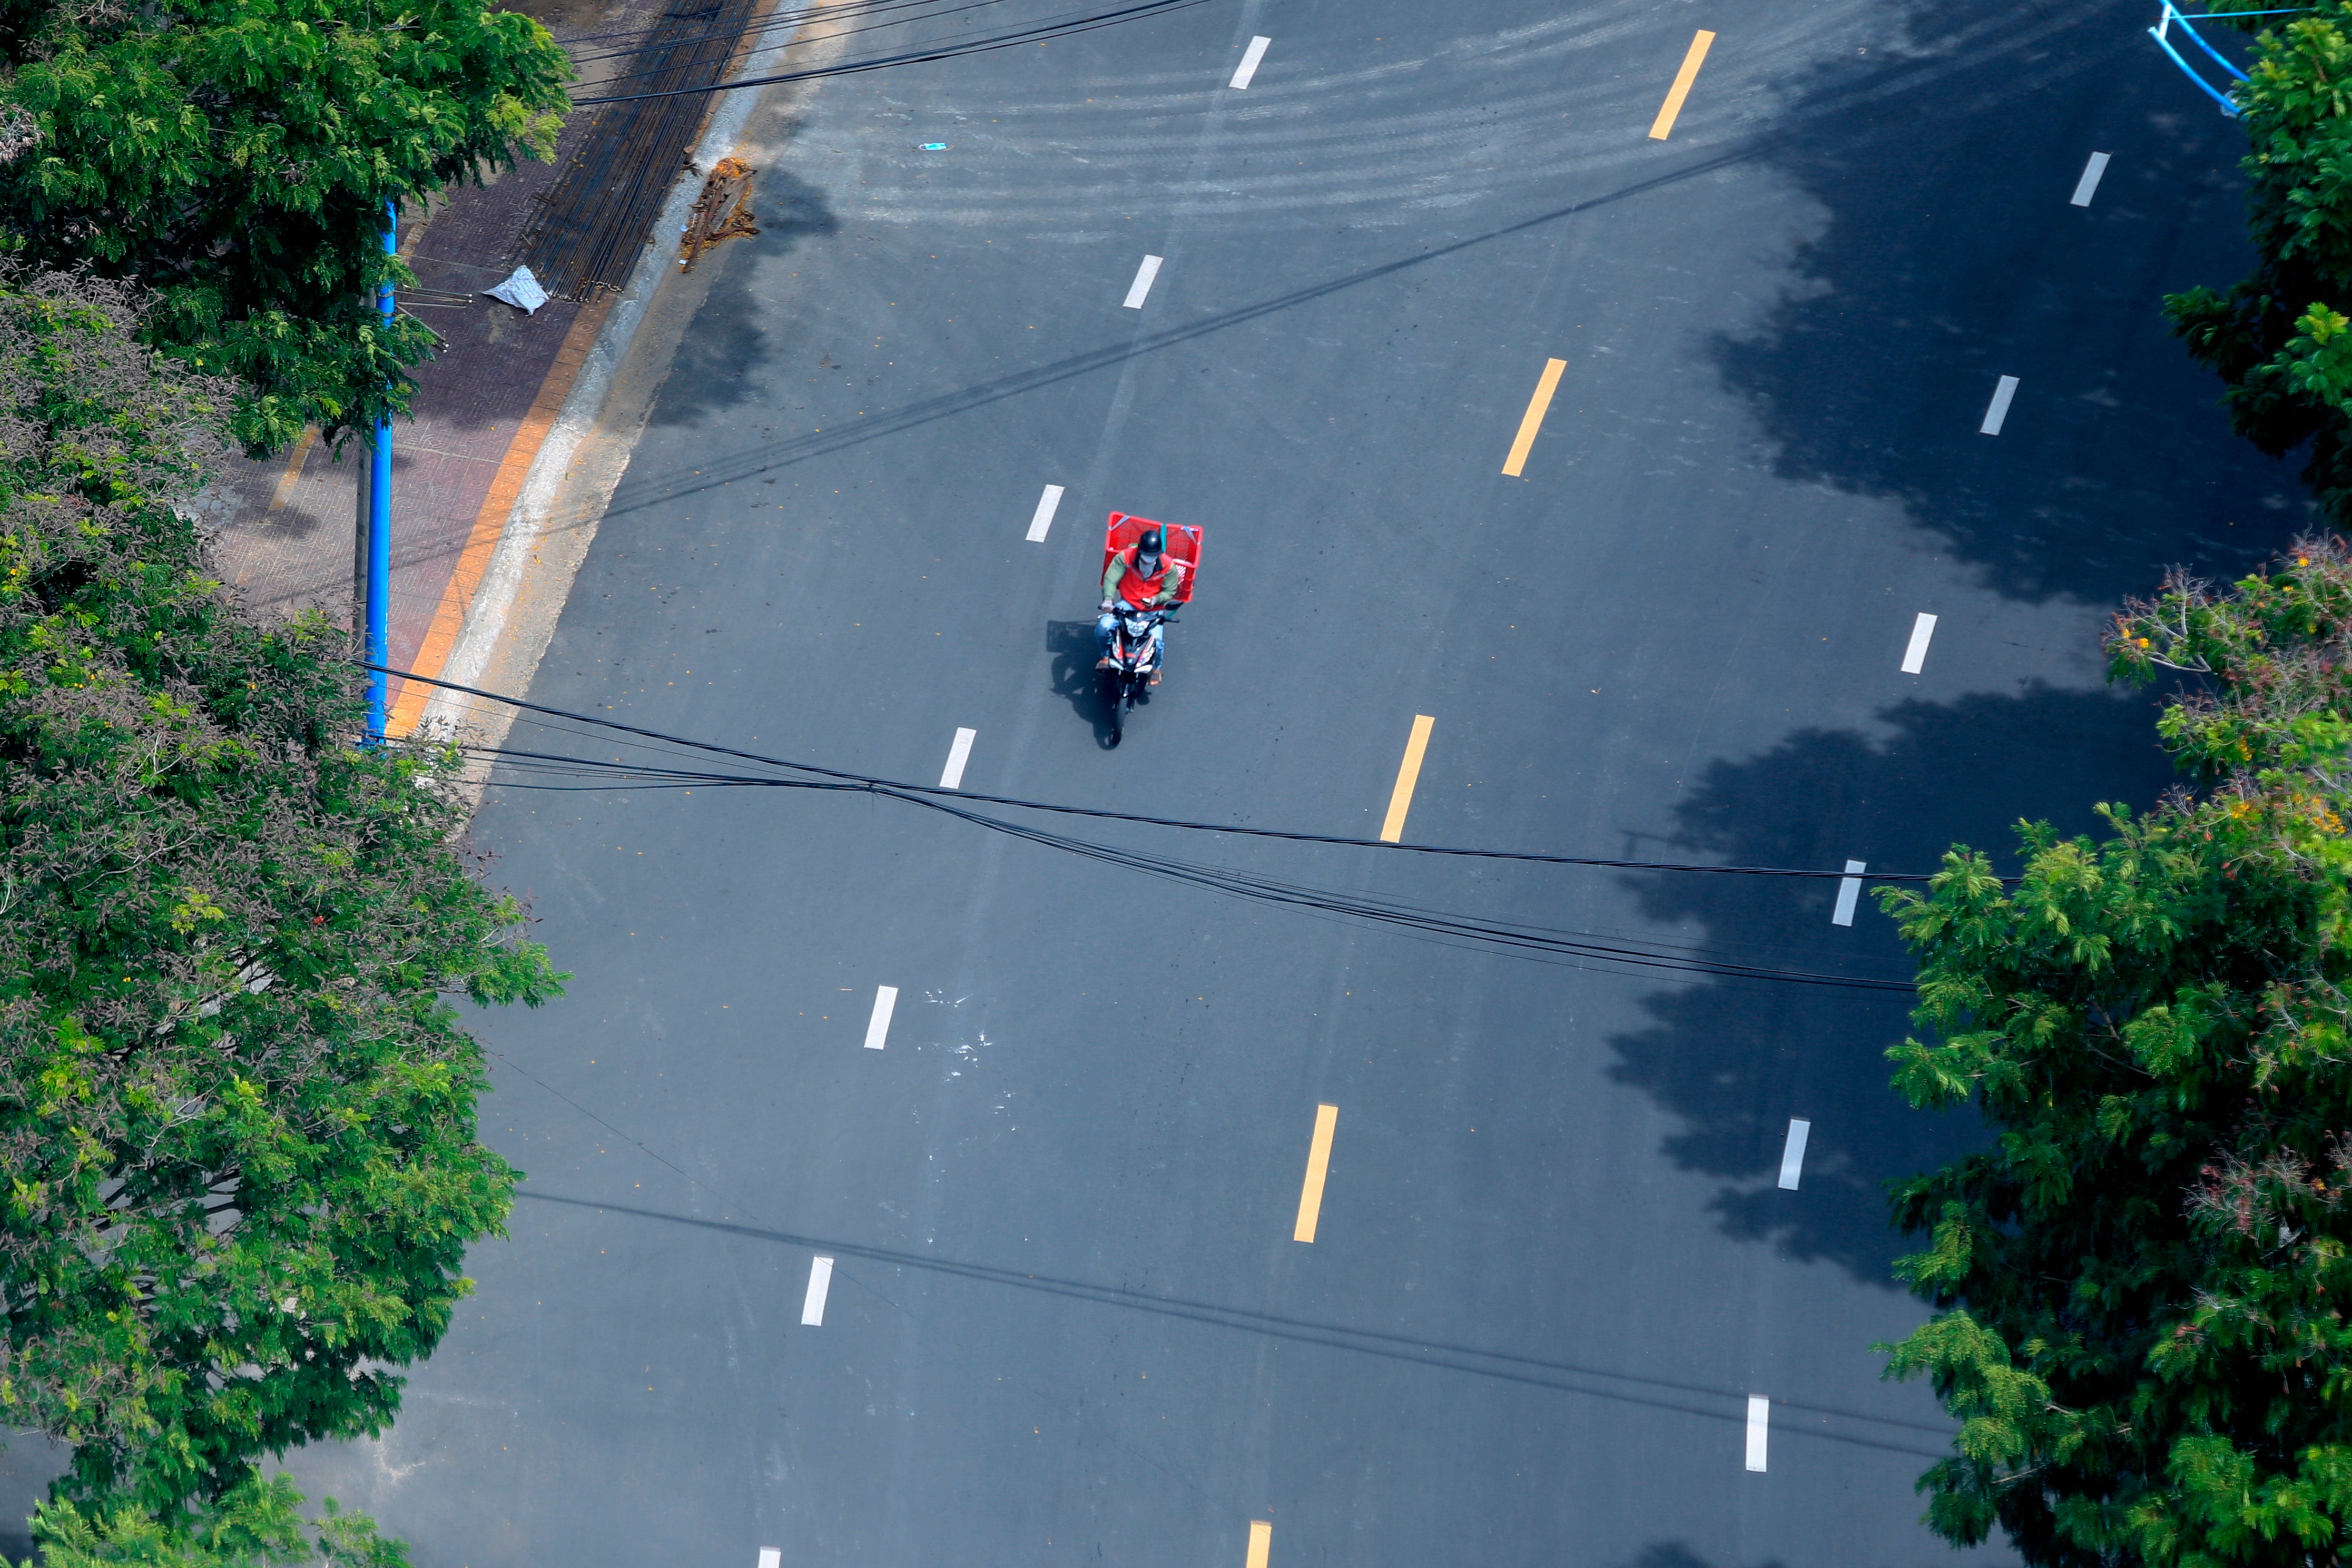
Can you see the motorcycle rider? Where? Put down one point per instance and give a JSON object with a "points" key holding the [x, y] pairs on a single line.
{"points": [[1143, 576]]}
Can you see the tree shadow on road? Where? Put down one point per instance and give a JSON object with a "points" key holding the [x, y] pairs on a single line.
{"points": [[1943, 157], [1735, 1060], [1675, 1554]]}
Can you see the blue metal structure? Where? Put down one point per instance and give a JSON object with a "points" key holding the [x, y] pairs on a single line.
{"points": [[2218, 94], [2163, 25], [379, 530]]}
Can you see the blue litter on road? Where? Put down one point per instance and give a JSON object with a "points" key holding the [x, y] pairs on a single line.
{"points": [[935, 146]]}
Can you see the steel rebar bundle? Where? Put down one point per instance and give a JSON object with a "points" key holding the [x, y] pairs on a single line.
{"points": [[601, 212]]}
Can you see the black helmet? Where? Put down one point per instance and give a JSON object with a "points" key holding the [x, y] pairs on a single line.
{"points": [[1151, 543]]}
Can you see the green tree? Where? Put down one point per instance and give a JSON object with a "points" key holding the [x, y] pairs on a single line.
{"points": [[2278, 338], [234, 157], [239, 1168], [257, 1524], [2141, 1282]]}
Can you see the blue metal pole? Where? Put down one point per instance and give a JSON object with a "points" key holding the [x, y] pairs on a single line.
{"points": [[2208, 88], [379, 543], [2198, 38]]}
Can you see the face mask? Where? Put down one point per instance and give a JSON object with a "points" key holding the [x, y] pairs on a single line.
{"points": [[1146, 564]]}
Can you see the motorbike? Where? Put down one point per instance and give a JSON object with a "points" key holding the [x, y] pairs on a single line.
{"points": [[1136, 645], [1137, 648]]}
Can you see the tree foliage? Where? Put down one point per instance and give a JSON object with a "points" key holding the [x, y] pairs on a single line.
{"points": [[235, 158], [2142, 1281], [239, 1168], [2279, 337], [257, 1524]]}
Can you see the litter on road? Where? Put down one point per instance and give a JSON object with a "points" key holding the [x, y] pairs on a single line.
{"points": [[520, 290]]}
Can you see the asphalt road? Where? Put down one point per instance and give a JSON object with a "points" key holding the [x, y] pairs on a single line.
{"points": [[1067, 1322]]}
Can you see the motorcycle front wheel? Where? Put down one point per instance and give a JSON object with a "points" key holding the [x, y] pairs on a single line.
{"points": [[1115, 689]]}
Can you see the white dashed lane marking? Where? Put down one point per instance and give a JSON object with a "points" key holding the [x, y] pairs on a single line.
{"points": [[1250, 59], [951, 776], [1849, 893], [877, 1027], [1915, 657], [1142, 284], [1998, 408], [820, 1283], [2089, 182], [1792, 1153], [1043, 518]]}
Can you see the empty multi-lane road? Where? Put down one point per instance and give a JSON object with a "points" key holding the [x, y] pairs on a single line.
{"points": [[1700, 432]]}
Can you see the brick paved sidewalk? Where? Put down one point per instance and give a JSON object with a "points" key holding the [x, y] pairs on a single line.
{"points": [[286, 538], [284, 533]]}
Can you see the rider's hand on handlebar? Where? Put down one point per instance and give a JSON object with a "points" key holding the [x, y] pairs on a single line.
{"points": [[1104, 607]]}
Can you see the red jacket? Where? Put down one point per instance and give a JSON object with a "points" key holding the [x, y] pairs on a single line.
{"points": [[1122, 582]]}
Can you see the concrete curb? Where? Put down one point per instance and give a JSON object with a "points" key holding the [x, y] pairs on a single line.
{"points": [[536, 507]]}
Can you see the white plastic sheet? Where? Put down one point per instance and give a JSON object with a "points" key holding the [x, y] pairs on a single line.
{"points": [[520, 290]]}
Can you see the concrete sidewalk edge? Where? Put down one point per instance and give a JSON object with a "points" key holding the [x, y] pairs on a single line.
{"points": [[543, 485], [497, 509]]}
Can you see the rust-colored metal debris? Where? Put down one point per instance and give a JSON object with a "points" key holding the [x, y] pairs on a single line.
{"points": [[599, 214], [724, 211]]}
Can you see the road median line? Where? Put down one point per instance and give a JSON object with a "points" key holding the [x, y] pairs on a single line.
{"points": [[1416, 747], [1532, 420], [1670, 110], [1319, 1167]]}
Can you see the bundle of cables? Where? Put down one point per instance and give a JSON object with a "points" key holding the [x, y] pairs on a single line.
{"points": [[868, 16], [653, 760]]}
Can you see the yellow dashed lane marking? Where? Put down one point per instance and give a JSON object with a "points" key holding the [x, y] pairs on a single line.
{"points": [[1310, 1209], [1408, 775], [1681, 90], [1533, 421]]}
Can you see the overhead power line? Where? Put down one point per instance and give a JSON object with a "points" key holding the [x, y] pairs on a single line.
{"points": [[1603, 952], [776, 21], [1042, 32], [785, 23], [1573, 949], [852, 781]]}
